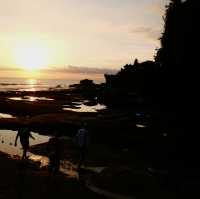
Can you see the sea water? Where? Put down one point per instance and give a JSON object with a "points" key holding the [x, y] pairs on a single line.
{"points": [[23, 84]]}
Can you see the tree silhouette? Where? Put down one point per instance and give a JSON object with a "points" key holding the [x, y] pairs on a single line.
{"points": [[178, 60]]}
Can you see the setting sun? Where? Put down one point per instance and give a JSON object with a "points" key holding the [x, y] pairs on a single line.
{"points": [[32, 56]]}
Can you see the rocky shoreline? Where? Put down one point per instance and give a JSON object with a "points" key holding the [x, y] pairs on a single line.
{"points": [[47, 116], [119, 136]]}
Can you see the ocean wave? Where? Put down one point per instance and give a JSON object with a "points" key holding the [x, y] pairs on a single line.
{"points": [[17, 84]]}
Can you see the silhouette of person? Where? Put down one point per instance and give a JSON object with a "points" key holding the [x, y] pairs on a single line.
{"points": [[54, 151], [82, 140], [24, 134]]}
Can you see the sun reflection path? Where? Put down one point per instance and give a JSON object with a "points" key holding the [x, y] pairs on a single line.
{"points": [[31, 84], [31, 81]]}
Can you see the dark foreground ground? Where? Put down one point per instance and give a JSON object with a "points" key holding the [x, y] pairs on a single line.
{"points": [[25, 180], [116, 142]]}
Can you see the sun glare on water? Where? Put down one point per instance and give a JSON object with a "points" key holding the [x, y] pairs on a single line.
{"points": [[31, 56]]}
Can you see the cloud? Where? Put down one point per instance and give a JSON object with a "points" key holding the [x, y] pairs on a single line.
{"points": [[9, 69], [82, 70], [158, 7], [147, 32], [68, 69]]}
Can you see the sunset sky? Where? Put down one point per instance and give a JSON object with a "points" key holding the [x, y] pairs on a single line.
{"points": [[70, 38]]}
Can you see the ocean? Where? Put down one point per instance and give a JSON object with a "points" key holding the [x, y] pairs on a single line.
{"points": [[23, 84]]}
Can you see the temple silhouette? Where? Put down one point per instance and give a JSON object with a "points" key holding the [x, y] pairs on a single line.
{"points": [[170, 86]]}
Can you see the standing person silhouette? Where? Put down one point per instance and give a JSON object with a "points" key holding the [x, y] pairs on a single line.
{"points": [[82, 140], [54, 149], [24, 134]]}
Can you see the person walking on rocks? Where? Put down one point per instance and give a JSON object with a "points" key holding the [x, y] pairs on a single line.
{"points": [[54, 150], [82, 140], [24, 134]]}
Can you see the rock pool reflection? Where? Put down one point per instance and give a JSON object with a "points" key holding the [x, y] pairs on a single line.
{"points": [[30, 98], [7, 138], [84, 108], [140, 126], [4, 115]]}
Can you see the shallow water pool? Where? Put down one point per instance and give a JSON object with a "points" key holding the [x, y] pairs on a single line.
{"points": [[7, 140], [4, 115], [30, 98], [84, 108]]}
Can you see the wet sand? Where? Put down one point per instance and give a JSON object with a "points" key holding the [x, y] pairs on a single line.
{"points": [[47, 116], [26, 180]]}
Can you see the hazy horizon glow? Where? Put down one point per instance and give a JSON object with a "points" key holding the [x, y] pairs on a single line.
{"points": [[39, 36]]}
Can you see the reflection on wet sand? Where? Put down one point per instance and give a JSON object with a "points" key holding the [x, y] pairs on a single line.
{"points": [[7, 138], [43, 160], [30, 98]]}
